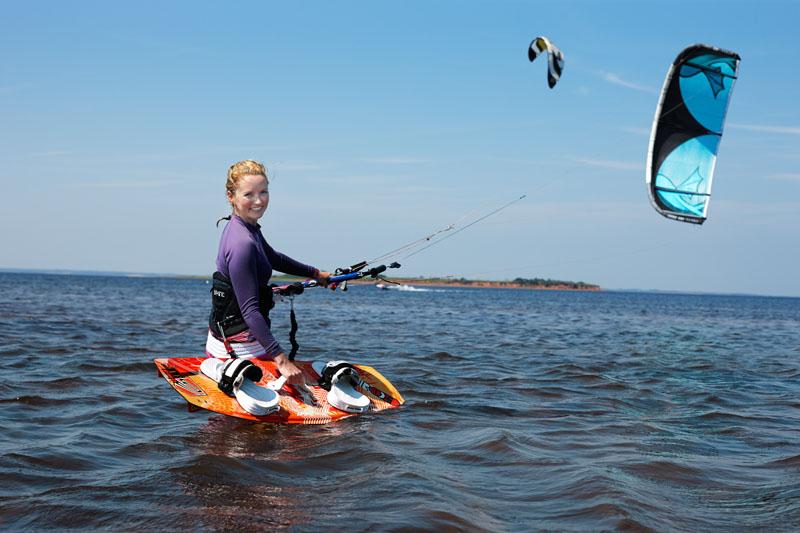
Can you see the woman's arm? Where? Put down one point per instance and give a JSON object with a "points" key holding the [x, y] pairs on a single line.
{"points": [[284, 263]]}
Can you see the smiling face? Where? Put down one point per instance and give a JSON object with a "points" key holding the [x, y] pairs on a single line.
{"points": [[250, 198]]}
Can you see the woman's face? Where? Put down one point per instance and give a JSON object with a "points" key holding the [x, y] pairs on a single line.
{"points": [[251, 198]]}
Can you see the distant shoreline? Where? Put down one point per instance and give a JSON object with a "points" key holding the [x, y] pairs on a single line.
{"points": [[431, 282], [519, 283], [546, 285]]}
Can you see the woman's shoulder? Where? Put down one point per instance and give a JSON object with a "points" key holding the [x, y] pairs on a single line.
{"points": [[236, 236]]}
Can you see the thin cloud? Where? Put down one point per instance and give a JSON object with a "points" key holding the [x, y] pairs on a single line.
{"points": [[613, 165], [412, 189], [139, 184], [600, 213], [296, 167], [644, 132], [8, 89], [788, 176], [50, 153], [516, 160], [394, 160], [355, 180], [231, 153], [610, 77], [760, 212], [386, 184], [765, 128]]}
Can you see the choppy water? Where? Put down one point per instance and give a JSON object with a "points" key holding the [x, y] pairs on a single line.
{"points": [[525, 411]]}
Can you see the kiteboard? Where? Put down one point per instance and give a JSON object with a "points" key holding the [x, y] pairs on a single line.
{"points": [[307, 404]]}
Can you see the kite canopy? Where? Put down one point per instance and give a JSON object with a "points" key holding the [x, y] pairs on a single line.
{"points": [[555, 59], [687, 129]]}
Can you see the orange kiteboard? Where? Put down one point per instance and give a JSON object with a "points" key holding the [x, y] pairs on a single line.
{"points": [[298, 405]]}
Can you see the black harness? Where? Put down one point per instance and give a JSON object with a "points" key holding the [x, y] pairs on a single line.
{"points": [[226, 318]]}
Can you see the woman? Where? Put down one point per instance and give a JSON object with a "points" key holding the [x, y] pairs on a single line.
{"points": [[241, 295]]}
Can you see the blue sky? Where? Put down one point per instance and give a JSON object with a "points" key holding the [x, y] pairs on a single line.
{"points": [[384, 121]]}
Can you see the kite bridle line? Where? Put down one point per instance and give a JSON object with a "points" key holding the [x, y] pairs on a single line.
{"points": [[356, 271], [432, 239], [343, 275], [484, 217], [417, 246]]}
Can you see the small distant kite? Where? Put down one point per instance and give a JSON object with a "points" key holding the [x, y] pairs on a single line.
{"points": [[686, 131], [555, 59]]}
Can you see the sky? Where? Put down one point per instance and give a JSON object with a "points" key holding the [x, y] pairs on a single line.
{"points": [[381, 122]]}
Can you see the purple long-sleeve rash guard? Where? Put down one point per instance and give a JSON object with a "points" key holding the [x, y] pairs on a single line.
{"points": [[248, 261]]}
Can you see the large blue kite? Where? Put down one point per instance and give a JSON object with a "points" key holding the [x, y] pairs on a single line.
{"points": [[687, 130]]}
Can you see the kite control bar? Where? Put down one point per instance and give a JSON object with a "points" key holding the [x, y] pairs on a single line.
{"points": [[342, 276]]}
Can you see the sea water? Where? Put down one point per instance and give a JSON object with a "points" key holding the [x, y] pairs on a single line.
{"points": [[526, 410]]}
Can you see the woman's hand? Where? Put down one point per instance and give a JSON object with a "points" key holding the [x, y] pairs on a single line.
{"points": [[323, 278], [294, 376]]}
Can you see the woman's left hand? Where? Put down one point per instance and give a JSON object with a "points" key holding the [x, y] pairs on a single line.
{"points": [[294, 376]]}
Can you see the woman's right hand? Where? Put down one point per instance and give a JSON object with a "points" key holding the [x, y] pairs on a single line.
{"points": [[294, 376], [323, 278]]}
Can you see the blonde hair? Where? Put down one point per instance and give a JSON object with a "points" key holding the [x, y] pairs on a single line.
{"points": [[237, 171], [247, 167]]}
